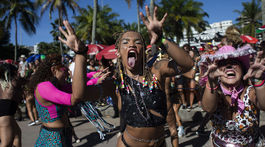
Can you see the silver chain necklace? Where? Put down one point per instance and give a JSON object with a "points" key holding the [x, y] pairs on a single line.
{"points": [[141, 100]]}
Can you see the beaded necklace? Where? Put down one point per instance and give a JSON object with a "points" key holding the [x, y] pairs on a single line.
{"points": [[129, 88], [152, 85]]}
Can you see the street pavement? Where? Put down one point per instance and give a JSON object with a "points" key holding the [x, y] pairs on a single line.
{"points": [[90, 138]]}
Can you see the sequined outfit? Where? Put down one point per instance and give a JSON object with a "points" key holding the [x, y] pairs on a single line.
{"points": [[135, 107]]}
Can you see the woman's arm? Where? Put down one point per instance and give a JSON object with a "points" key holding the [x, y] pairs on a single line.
{"points": [[179, 56], [210, 98], [256, 71], [95, 92], [79, 78]]}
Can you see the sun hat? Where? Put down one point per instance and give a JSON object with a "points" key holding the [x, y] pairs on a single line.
{"points": [[228, 52]]}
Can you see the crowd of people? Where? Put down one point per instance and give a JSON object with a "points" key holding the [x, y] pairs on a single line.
{"points": [[148, 85]]}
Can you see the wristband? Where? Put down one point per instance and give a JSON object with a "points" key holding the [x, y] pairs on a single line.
{"points": [[208, 87], [162, 46], [259, 83], [163, 40], [81, 52]]}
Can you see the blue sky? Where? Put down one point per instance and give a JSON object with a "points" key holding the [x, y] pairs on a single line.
{"points": [[218, 10]]}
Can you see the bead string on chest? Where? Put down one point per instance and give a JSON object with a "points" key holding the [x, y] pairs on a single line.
{"points": [[129, 88]]}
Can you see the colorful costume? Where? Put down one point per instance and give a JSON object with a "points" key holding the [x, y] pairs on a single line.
{"points": [[137, 102], [57, 137], [241, 131]]}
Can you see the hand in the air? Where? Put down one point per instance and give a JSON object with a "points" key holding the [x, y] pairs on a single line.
{"points": [[212, 70], [71, 39], [153, 25], [257, 69]]}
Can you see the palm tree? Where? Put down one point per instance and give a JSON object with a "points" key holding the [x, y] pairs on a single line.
{"points": [[250, 17], [140, 3], [22, 11], [94, 22], [183, 15], [61, 6], [55, 32], [4, 35], [107, 22], [263, 15], [152, 6]]}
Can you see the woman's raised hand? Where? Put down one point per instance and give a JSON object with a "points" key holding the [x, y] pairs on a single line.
{"points": [[212, 70], [153, 25], [71, 39], [257, 69]]}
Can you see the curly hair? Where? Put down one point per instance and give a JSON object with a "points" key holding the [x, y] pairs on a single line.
{"points": [[44, 73], [119, 67], [233, 34]]}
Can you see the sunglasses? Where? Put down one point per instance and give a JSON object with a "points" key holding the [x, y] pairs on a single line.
{"points": [[228, 62]]}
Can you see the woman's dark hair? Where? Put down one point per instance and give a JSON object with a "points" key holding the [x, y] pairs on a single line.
{"points": [[8, 75], [119, 67], [44, 73], [8, 72], [187, 46]]}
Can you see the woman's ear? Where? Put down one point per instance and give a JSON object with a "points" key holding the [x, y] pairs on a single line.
{"points": [[53, 69]]}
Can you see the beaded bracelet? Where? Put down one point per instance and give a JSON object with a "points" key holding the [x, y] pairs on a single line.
{"points": [[163, 40], [208, 87], [259, 83]]}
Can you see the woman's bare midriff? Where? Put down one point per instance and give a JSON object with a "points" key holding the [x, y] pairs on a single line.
{"points": [[61, 123], [146, 133]]}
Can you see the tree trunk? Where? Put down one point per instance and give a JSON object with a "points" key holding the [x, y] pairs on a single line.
{"points": [[94, 22], [138, 17], [152, 6], [60, 22], [15, 51], [263, 16]]}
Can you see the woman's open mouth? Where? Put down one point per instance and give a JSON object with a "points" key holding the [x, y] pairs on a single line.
{"points": [[231, 74], [132, 57]]}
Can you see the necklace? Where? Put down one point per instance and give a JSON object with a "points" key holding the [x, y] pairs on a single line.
{"points": [[141, 100]]}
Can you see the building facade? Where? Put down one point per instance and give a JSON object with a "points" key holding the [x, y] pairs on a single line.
{"points": [[208, 35]]}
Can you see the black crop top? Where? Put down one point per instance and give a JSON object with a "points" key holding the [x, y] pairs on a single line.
{"points": [[155, 100], [7, 107]]}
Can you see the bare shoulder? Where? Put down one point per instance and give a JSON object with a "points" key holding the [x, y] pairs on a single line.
{"points": [[161, 63]]}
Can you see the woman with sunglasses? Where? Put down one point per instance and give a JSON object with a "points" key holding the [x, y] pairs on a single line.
{"points": [[53, 94]]}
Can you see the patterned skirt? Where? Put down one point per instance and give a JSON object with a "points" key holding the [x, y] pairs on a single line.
{"points": [[54, 137]]}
